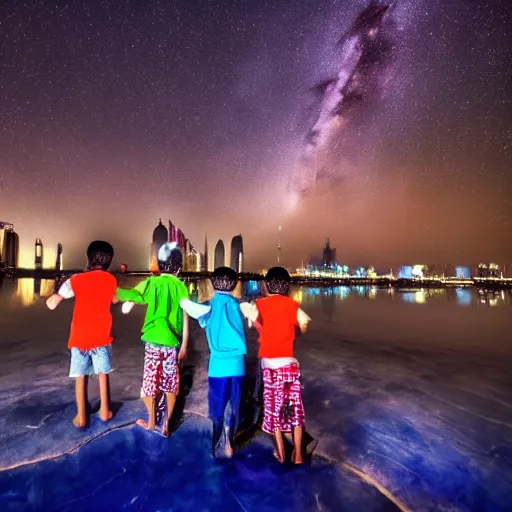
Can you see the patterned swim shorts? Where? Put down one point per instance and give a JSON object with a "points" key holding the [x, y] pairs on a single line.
{"points": [[161, 372], [282, 399]]}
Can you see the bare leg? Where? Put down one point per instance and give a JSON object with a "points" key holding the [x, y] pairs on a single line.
{"points": [[171, 402], [149, 402], [279, 451], [228, 448], [297, 445], [105, 412], [80, 419]]}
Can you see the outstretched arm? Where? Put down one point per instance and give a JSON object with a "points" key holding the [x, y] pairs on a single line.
{"points": [[135, 295], [303, 319], [65, 292], [182, 355]]}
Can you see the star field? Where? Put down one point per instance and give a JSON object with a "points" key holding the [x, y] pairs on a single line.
{"points": [[114, 114]]}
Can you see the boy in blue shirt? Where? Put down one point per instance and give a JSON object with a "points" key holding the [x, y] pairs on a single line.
{"points": [[222, 320]]}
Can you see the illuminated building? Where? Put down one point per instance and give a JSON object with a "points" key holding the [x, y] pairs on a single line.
{"points": [[205, 255], [237, 254], [462, 273], [58, 260], [38, 254], [9, 246], [160, 237], [418, 271], [328, 255], [405, 272], [220, 255], [491, 270]]}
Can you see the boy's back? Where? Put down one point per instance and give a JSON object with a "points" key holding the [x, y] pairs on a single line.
{"points": [[163, 323], [278, 315], [224, 326], [91, 325]]}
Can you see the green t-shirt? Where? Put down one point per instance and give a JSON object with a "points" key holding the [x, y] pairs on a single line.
{"points": [[163, 324]]}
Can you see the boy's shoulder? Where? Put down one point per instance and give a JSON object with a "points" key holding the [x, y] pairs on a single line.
{"points": [[94, 275], [277, 300], [170, 280]]}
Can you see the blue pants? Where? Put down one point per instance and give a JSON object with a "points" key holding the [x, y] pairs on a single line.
{"points": [[223, 390]]}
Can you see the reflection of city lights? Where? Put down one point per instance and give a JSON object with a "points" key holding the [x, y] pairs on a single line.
{"points": [[420, 297], [463, 296], [47, 287], [373, 292], [298, 296], [25, 291]]}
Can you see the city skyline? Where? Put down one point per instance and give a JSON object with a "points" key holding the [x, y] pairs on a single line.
{"points": [[206, 110]]}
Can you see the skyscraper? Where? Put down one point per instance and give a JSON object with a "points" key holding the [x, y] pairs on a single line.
{"points": [[160, 237], [38, 254], [328, 254], [220, 257], [237, 254], [205, 255], [9, 244], [58, 260], [12, 249]]}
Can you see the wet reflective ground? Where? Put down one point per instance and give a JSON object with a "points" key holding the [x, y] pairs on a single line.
{"points": [[408, 393]]}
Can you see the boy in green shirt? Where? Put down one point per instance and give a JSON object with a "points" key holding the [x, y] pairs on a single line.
{"points": [[165, 330]]}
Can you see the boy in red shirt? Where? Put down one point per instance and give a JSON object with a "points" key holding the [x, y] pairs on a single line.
{"points": [[90, 335], [277, 318]]}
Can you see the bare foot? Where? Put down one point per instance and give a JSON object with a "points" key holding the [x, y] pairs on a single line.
{"points": [[278, 457], [79, 422], [142, 423], [107, 416], [166, 428], [229, 450], [297, 458]]}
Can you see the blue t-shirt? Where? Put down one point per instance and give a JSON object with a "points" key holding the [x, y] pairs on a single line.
{"points": [[226, 336]]}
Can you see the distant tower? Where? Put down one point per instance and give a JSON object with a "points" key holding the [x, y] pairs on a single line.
{"points": [[237, 254], [205, 256], [220, 256], [58, 261], [9, 245], [38, 250], [12, 249], [160, 237], [329, 254], [279, 245]]}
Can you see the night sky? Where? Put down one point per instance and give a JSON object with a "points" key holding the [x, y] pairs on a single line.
{"points": [[116, 113]]}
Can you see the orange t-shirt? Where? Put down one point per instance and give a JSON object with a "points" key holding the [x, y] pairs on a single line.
{"points": [[91, 326], [278, 319]]}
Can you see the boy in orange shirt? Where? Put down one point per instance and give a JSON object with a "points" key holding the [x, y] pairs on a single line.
{"points": [[276, 317], [90, 335]]}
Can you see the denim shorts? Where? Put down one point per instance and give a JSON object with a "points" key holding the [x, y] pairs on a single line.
{"points": [[88, 362]]}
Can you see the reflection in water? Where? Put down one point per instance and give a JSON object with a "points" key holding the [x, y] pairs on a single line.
{"points": [[492, 298], [28, 290], [463, 296]]}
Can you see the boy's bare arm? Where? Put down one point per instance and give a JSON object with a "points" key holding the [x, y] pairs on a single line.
{"points": [[54, 300], [182, 355], [303, 320]]}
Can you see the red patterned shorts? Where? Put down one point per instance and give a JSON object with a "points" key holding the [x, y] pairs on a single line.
{"points": [[282, 399], [161, 372]]}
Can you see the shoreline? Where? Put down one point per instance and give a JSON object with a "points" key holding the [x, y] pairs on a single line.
{"points": [[326, 282]]}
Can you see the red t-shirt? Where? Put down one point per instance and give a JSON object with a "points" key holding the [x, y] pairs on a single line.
{"points": [[278, 319], [91, 326]]}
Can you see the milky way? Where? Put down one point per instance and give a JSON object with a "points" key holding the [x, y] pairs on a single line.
{"points": [[115, 114]]}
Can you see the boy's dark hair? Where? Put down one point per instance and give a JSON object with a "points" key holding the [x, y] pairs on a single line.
{"points": [[224, 279], [278, 281], [174, 262], [99, 254]]}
